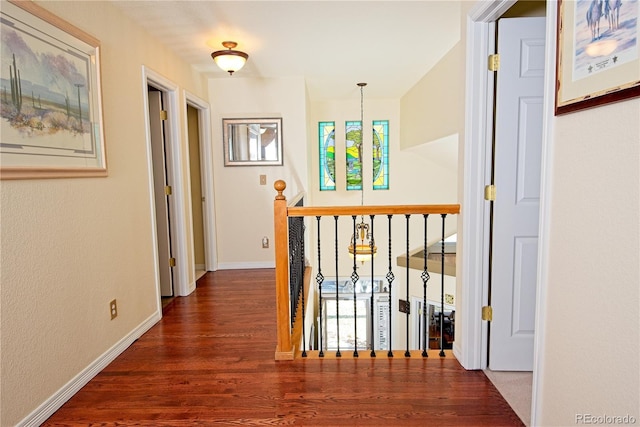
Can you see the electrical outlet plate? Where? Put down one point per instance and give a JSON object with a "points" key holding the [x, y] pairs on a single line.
{"points": [[113, 308], [263, 179]]}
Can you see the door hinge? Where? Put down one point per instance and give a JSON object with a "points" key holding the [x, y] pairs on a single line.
{"points": [[487, 313], [163, 114], [494, 62], [172, 262], [490, 193], [167, 190]]}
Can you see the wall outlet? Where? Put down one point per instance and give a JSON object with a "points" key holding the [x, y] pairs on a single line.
{"points": [[113, 308], [448, 298], [263, 179], [265, 242]]}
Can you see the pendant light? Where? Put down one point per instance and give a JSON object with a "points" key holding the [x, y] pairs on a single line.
{"points": [[362, 246], [230, 60]]}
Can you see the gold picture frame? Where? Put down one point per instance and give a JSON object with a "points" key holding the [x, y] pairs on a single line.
{"points": [[51, 120], [598, 53]]}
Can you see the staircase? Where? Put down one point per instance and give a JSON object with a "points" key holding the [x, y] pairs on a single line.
{"points": [[434, 257]]}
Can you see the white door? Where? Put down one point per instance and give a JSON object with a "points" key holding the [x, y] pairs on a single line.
{"points": [[158, 153], [517, 156]]}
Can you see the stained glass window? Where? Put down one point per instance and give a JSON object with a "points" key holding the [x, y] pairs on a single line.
{"points": [[353, 144], [327, 144], [381, 155]]}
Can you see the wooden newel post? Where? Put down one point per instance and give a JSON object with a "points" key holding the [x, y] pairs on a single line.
{"points": [[284, 348]]}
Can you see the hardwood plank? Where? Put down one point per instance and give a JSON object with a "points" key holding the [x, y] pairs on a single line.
{"points": [[209, 361]]}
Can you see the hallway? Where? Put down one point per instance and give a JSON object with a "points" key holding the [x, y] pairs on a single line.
{"points": [[210, 361]]}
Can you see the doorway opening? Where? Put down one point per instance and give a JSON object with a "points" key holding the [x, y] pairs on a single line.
{"points": [[481, 37], [166, 92], [201, 184], [162, 190], [198, 200]]}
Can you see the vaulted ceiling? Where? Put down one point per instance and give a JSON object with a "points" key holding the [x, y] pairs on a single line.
{"points": [[332, 44]]}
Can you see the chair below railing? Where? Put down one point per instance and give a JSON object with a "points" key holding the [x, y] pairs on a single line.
{"points": [[360, 304]]}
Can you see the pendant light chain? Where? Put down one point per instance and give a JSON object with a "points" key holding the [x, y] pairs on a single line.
{"points": [[362, 232], [362, 85]]}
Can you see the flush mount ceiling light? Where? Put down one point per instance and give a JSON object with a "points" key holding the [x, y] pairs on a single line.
{"points": [[230, 60]]}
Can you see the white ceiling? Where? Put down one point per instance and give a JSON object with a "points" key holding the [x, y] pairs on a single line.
{"points": [[333, 44]]}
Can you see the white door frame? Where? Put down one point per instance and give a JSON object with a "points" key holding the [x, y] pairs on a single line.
{"points": [[178, 224], [470, 350], [473, 221], [206, 171]]}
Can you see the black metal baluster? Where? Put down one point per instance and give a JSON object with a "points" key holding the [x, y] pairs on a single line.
{"points": [[296, 264], [407, 353], [293, 297], [425, 278], [319, 280], [304, 335], [335, 219], [371, 247], [354, 281], [390, 278], [444, 216]]}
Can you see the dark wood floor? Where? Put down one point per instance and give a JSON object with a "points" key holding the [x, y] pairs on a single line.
{"points": [[209, 361]]}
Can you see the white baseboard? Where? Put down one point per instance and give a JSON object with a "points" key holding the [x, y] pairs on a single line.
{"points": [[245, 265], [53, 403], [457, 352]]}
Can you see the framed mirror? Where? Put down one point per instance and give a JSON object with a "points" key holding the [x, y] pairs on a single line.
{"points": [[252, 142]]}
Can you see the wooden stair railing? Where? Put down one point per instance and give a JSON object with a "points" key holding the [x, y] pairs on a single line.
{"points": [[288, 336]]}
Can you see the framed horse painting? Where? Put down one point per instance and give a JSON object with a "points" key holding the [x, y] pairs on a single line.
{"points": [[598, 53]]}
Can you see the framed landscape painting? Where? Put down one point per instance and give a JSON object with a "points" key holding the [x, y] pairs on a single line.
{"points": [[51, 112], [598, 53]]}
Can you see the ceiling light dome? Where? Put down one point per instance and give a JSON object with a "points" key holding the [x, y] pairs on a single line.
{"points": [[230, 60]]}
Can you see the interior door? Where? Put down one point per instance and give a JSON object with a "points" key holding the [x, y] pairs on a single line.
{"points": [[517, 157], [160, 183], [198, 202]]}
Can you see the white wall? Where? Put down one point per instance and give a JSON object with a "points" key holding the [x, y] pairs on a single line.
{"points": [[590, 362], [434, 108], [69, 246], [244, 208]]}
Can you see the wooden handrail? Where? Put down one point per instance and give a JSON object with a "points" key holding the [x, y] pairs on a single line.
{"points": [[372, 210]]}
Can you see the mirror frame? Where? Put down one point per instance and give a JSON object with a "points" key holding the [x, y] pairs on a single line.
{"points": [[227, 141]]}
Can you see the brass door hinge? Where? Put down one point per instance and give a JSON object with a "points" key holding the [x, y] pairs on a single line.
{"points": [[487, 313], [494, 62], [167, 190], [163, 114], [490, 193], [172, 262]]}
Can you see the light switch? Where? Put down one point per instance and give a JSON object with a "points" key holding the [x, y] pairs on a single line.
{"points": [[263, 179]]}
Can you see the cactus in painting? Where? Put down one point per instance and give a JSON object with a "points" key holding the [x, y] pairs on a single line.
{"points": [[16, 85], [68, 105]]}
